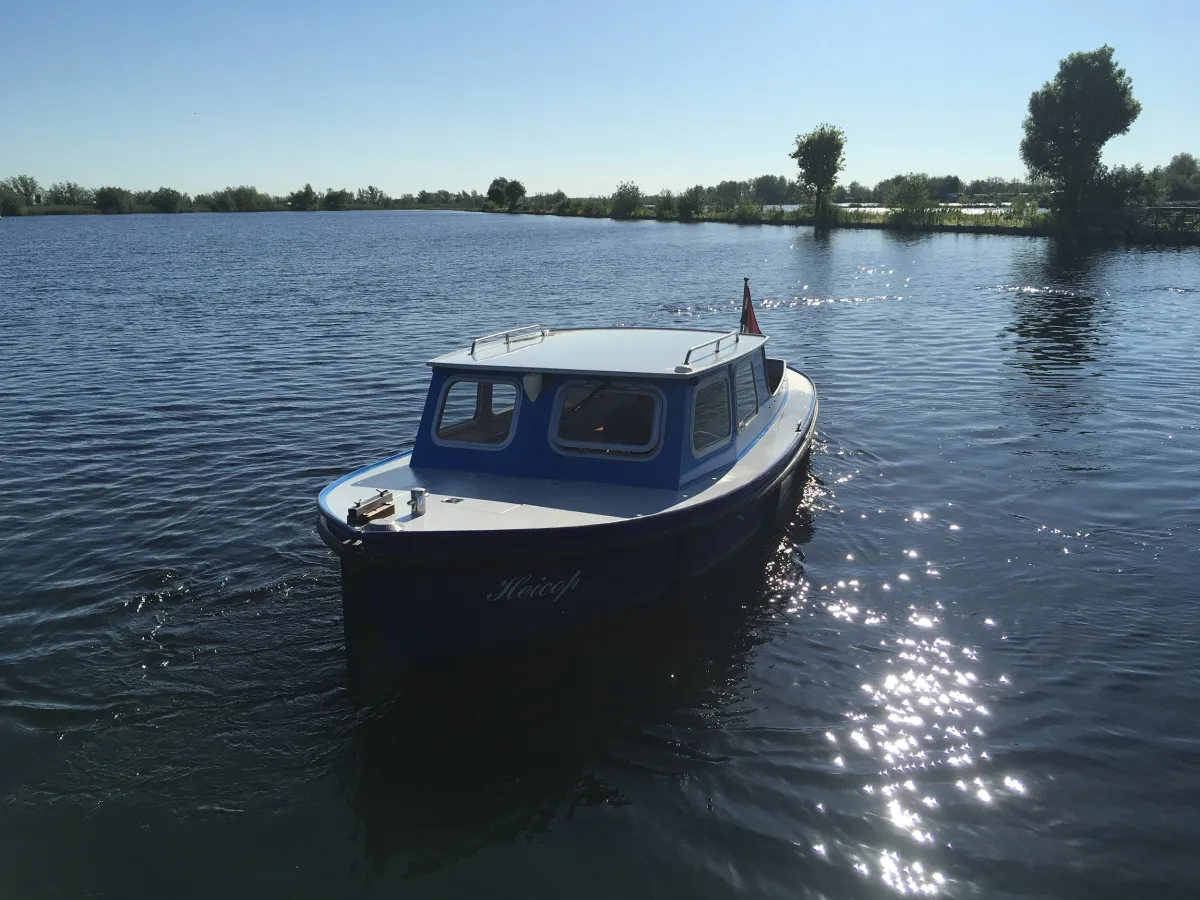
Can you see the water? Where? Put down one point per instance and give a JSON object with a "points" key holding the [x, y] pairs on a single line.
{"points": [[967, 667]]}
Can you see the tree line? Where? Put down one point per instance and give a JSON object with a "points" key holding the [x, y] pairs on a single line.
{"points": [[1070, 119], [24, 195], [909, 194]]}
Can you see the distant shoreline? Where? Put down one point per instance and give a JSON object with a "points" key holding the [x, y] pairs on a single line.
{"points": [[35, 211], [1113, 232], [1048, 229]]}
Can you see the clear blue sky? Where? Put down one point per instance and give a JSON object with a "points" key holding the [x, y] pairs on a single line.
{"points": [[198, 95]]}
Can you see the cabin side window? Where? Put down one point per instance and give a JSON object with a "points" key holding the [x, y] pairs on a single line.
{"points": [[760, 376], [773, 369], [747, 394], [476, 411], [607, 418], [711, 424]]}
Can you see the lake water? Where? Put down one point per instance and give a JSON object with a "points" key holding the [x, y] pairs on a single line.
{"points": [[969, 667]]}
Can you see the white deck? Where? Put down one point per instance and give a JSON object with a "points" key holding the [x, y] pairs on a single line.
{"points": [[605, 351], [506, 502]]}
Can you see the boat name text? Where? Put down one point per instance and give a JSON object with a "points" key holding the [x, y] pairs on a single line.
{"points": [[522, 586]]}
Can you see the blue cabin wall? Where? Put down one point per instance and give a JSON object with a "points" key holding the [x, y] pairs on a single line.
{"points": [[530, 453]]}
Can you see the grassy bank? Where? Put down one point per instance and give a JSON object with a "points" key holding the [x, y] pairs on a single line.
{"points": [[930, 220], [52, 210]]}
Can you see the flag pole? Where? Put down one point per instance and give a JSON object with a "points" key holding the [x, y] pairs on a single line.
{"points": [[749, 324]]}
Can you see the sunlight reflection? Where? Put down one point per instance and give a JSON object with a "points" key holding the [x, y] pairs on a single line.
{"points": [[919, 720], [914, 740]]}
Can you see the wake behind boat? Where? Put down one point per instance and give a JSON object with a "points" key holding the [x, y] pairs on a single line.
{"points": [[559, 475]]}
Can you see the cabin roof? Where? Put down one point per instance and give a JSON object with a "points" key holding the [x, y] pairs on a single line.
{"points": [[657, 352]]}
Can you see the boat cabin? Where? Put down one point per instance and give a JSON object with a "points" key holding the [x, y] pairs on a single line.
{"points": [[651, 407]]}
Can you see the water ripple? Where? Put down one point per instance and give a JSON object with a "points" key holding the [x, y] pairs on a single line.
{"points": [[964, 668]]}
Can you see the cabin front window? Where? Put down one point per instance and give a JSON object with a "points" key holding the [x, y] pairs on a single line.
{"points": [[607, 418], [477, 411], [747, 395], [711, 425]]}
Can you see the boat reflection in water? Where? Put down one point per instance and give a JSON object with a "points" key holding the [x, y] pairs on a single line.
{"points": [[470, 755]]}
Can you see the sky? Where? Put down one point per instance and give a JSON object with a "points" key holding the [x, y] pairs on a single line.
{"points": [[561, 95]]}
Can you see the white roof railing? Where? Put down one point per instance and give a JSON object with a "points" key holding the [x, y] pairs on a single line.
{"points": [[736, 335], [524, 333]]}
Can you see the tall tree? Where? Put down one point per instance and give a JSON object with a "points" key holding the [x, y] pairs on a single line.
{"points": [[167, 200], [626, 200], [1123, 186], [495, 191], [909, 200], [11, 203], [514, 193], [113, 200], [371, 196], [820, 154], [336, 200], [68, 193], [304, 199], [1070, 120], [770, 189], [727, 194], [858, 193], [690, 202], [945, 188], [1180, 178], [27, 186]]}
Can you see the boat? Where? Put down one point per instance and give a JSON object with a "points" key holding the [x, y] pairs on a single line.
{"points": [[558, 475]]}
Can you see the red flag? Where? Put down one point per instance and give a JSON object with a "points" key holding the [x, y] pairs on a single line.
{"points": [[749, 321]]}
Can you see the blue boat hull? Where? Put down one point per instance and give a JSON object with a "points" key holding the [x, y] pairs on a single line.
{"points": [[491, 592]]}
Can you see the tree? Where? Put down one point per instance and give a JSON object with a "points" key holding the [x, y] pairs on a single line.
{"points": [[495, 191], [727, 194], [690, 202], [820, 154], [167, 200], [11, 202], [514, 193], [371, 196], [113, 200], [626, 200], [800, 194], [304, 199], [858, 193], [665, 206], [945, 188], [908, 199], [1070, 120], [27, 187], [336, 200], [1179, 180], [1123, 186], [68, 193], [770, 190]]}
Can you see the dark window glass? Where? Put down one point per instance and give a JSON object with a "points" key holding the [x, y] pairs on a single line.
{"points": [[601, 417], [710, 418], [477, 412], [747, 396]]}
